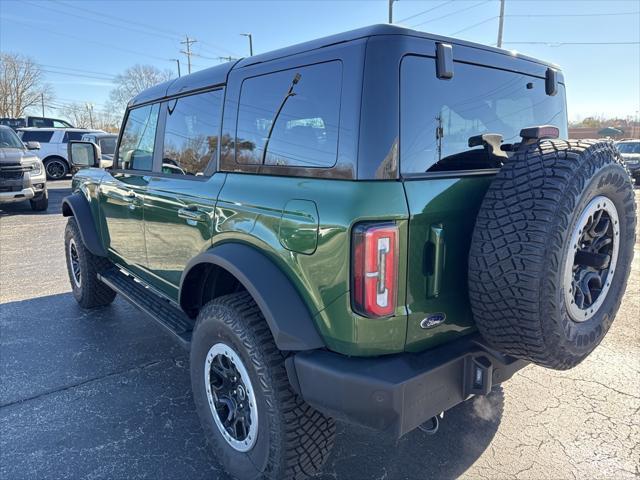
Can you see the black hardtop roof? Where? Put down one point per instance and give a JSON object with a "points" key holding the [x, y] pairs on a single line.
{"points": [[217, 75]]}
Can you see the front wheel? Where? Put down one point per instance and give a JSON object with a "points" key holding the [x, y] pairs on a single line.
{"points": [[41, 203], [83, 268], [56, 168], [258, 427]]}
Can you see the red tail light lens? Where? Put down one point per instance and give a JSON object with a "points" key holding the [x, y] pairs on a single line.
{"points": [[375, 269]]}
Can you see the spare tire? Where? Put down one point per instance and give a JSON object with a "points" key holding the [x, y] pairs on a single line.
{"points": [[551, 251]]}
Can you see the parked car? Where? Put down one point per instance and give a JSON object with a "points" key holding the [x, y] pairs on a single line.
{"points": [[22, 175], [39, 122], [377, 226], [630, 150], [53, 147], [106, 142]]}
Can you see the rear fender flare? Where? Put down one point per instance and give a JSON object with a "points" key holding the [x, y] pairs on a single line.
{"points": [[289, 319], [76, 205]]}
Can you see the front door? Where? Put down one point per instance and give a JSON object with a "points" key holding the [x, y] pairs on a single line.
{"points": [[181, 198], [124, 189]]}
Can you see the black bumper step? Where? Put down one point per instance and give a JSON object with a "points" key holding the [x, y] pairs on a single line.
{"points": [[157, 307]]}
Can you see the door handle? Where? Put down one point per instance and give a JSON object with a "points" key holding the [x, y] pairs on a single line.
{"points": [[130, 195], [193, 214], [434, 280]]}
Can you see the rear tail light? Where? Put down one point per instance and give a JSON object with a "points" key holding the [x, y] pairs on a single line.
{"points": [[375, 269]]}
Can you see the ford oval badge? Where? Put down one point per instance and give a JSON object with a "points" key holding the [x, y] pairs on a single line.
{"points": [[433, 320]]}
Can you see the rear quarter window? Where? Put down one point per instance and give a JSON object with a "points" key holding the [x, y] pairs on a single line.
{"points": [[72, 136], [36, 136], [291, 117], [437, 117]]}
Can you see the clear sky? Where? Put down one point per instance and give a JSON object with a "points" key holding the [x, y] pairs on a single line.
{"points": [[81, 44]]}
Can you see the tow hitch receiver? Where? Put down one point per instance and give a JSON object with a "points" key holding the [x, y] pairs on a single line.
{"points": [[478, 373]]}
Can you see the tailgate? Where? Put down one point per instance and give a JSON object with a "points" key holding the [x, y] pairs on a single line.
{"points": [[442, 216]]}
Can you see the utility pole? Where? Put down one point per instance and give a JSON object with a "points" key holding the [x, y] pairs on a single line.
{"points": [[391, 10], [90, 110], [42, 102], [501, 24], [177, 60], [188, 41], [250, 37]]}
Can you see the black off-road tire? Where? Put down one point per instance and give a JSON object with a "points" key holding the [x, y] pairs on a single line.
{"points": [[293, 439], [90, 292], [40, 203], [521, 242]]}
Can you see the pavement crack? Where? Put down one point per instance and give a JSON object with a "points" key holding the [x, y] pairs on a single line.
{"points": [[82, 383]]}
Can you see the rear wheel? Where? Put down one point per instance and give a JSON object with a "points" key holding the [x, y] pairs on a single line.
{"points": [[83, 268], [258, 427], [551, 251], [56, 168]]}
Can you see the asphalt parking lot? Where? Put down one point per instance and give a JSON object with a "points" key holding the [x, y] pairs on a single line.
{"points": [[106, 394]]}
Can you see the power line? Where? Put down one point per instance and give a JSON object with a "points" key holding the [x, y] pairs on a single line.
{"points": [[547, 15], [84, 40], [474, 25], [175, 35], [452, 13], [77, 13], [424, 11], [560, 44]]}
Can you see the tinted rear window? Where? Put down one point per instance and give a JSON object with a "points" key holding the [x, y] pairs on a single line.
{"points": [[297, 122], [439, 116], [36, 136], [75, 136]]}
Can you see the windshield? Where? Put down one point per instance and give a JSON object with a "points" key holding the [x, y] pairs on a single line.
{"points": [[9, 139], [629, 147], [108, 145]]}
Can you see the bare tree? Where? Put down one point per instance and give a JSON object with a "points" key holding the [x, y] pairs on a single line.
{"points": [[77, 113], [134, 80], [21, 85]]}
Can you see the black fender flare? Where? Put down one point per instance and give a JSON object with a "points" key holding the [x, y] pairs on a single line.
{"points": [[289, 320], [76, 205]]}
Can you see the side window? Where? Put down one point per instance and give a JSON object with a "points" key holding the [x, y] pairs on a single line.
{"points": [[191, 133], [291, 118], [36, 136], [72, 136], [138, 138], [437, 117]]}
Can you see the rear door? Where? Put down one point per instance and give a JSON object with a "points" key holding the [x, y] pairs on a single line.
{"points": [[181, 196], [445, 180]]}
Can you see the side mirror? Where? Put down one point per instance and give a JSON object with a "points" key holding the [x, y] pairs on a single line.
{"points": [[33, 145], [83, 154]]}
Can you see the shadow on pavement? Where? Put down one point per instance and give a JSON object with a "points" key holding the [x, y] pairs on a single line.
{"points": [[105, 393]]}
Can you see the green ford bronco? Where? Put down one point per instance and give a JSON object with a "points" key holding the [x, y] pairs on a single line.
{"points": [[371, 227]]}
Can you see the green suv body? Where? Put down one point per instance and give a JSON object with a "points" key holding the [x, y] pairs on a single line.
{"points": [[333, 186]]}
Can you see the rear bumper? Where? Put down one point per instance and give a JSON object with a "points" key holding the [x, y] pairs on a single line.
{"points": [[397, 393]]}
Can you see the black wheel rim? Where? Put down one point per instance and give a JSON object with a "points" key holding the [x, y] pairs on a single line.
{"points": [[592, 258], [74, 260], [55, 169], [231, 397]]}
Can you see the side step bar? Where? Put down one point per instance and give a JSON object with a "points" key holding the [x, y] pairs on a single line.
{"points": [[161, 310]]}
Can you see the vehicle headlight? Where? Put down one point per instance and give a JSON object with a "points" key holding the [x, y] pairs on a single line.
{"points": [[37, 168]]}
